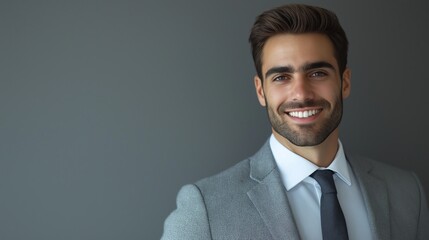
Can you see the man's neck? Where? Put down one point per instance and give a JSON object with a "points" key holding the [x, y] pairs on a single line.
{"points": [[322, 155]]}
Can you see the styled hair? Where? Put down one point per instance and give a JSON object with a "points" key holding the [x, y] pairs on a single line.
{"points": [[298, 18]]}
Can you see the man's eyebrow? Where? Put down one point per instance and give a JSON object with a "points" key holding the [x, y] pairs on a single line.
{"points": [[321, 64], [282, 69], [305, 67]]}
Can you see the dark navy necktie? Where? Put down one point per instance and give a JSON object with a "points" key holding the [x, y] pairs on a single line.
{"points": [[332, 217]]}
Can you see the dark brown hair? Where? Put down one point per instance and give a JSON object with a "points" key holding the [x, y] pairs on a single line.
{"points": [[298, 18]]}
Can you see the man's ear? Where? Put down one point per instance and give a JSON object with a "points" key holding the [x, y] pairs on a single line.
{"points": [[259, 90], [346, 85]]}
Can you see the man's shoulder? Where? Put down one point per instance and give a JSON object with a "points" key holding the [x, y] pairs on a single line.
{"points": [[372, 164], [238, 177], [382, 170], [233, 178]]}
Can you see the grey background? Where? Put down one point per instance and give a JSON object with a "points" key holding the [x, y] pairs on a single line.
{"points": [[108, 107]]}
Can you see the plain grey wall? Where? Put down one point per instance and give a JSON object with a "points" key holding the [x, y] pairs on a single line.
{"points": [[108, 107]]}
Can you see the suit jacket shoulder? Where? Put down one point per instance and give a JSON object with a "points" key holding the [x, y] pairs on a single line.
{"points": [[230, 211], [246, 201], [396, 202], [228, 182]]}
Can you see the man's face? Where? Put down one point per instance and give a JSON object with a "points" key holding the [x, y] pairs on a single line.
{"points": [[302, 87]]}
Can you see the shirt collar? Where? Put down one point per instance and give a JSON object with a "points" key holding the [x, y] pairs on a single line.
{"points": [[294, 168]]}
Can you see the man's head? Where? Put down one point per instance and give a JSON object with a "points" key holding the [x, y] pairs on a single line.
{"points": [[300, 54], [295, 19]]}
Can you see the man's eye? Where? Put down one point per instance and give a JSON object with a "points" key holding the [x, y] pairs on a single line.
{"points": [[280, 78], [318, 74]]}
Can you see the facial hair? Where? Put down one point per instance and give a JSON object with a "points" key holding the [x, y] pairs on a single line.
{"points": [[311, 134]]}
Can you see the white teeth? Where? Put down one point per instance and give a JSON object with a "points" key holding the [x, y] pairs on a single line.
{"points": [[304, 114]]}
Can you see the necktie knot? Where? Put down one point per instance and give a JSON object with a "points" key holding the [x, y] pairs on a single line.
{"points": [[325, 180]]}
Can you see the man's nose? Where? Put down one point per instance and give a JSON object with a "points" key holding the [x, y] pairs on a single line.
{"points": [[302, 89]]}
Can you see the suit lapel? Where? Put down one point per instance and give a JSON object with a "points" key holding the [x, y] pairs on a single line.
{"points": [[269, 197], [375, 195]]}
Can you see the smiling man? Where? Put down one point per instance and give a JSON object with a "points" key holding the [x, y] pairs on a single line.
{"points": [[301, 184]]}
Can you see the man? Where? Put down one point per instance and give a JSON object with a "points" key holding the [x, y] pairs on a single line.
{"points": [[300, 55]]}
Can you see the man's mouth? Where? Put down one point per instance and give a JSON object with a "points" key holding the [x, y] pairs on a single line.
{"points": [[304, 114]]}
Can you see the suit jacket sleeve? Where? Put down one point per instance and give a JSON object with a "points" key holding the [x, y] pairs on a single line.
{"points": [[189, 220], [423, 228]]}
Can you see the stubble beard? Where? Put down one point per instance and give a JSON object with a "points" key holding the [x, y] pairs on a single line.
{"points": [[311, 134]]}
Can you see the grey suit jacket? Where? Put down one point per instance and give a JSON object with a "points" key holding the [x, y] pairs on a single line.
{"points": [[248, 201]]}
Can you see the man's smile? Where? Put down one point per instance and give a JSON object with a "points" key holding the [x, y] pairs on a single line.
{"points": [[303, 113]]}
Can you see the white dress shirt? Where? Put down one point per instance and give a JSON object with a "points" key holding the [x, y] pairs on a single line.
{"points": [[304, 193]]}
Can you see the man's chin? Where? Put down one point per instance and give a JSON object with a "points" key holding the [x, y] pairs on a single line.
{"points": [[301, 139]]}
